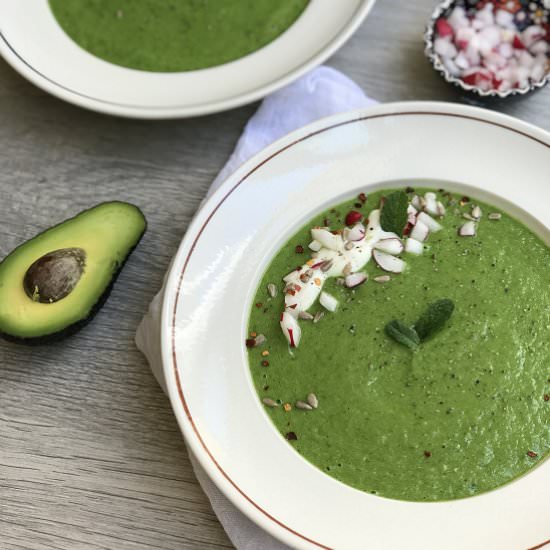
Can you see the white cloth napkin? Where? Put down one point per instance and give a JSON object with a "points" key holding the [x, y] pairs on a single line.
{"points": [[320, 93]]}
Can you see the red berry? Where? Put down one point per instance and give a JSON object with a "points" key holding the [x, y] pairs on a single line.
{"points": [[443, 28], [353, 217]]}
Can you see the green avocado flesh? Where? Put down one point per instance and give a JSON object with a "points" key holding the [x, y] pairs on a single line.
{"points": [[172, 36], [100, 238], [466, 412]]}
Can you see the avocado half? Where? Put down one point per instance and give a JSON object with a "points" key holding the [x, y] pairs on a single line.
{"points": [[53, 284]]}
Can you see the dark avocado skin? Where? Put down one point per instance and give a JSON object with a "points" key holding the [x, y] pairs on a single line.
{"points": [[74, 327]]}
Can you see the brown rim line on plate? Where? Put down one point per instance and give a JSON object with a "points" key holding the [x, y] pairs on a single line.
{"points": [[215, 208]]}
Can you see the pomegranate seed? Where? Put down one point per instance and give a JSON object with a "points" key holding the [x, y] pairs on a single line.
{"points": [[362, 197], [532, 454], [299, 249], [353, 217]]}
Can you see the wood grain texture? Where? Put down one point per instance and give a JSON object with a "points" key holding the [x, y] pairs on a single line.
{"points": [[90, 455]]}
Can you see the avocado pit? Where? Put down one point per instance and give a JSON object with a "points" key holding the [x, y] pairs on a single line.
{"points": [[55, 275]]}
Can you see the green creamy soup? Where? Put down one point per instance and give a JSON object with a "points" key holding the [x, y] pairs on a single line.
{"points": [[467, 412], [174, 35]]}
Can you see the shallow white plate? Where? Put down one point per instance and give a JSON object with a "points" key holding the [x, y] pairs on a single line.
{"points": [[214, 278], [35, 45]]}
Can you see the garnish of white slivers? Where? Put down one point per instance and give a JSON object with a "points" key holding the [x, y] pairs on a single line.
{"points": [[345, 253]]}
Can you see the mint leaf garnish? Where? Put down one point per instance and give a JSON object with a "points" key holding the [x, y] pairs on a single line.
{"points": [[431, 321], [402, 334], [394, 212], [434, 318]]}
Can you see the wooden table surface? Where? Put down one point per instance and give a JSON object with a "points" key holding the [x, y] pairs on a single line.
{"points": [[90, 454]]}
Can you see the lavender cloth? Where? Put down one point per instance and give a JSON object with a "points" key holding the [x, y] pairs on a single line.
{"points": [[320, 93]]}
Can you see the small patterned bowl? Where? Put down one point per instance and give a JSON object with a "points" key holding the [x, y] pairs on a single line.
{"points": [[532, 12]]}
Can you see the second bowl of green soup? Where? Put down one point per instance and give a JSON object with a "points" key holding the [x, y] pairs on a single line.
{"points": [[174, 36], [171, 58]]}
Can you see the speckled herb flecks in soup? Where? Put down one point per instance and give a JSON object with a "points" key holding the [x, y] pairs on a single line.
{"points": [[405, 350]]}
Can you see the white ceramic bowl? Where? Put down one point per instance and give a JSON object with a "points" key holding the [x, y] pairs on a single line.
{"points": [[35, 45], [212, 284]]}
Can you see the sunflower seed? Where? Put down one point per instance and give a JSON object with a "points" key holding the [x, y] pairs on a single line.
{"points": [[476, 212], [347, 270], [349, 245], [467, 216], [318, 316], [312, 400], [272, 290], [382, 279], [326, 265], [269, 402], [259, 340], [303, 405], [305, 316], [495, 216], [341, 281]]}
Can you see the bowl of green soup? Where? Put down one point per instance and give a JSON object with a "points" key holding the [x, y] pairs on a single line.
{"points": [[171, 58], [356, 332]]}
